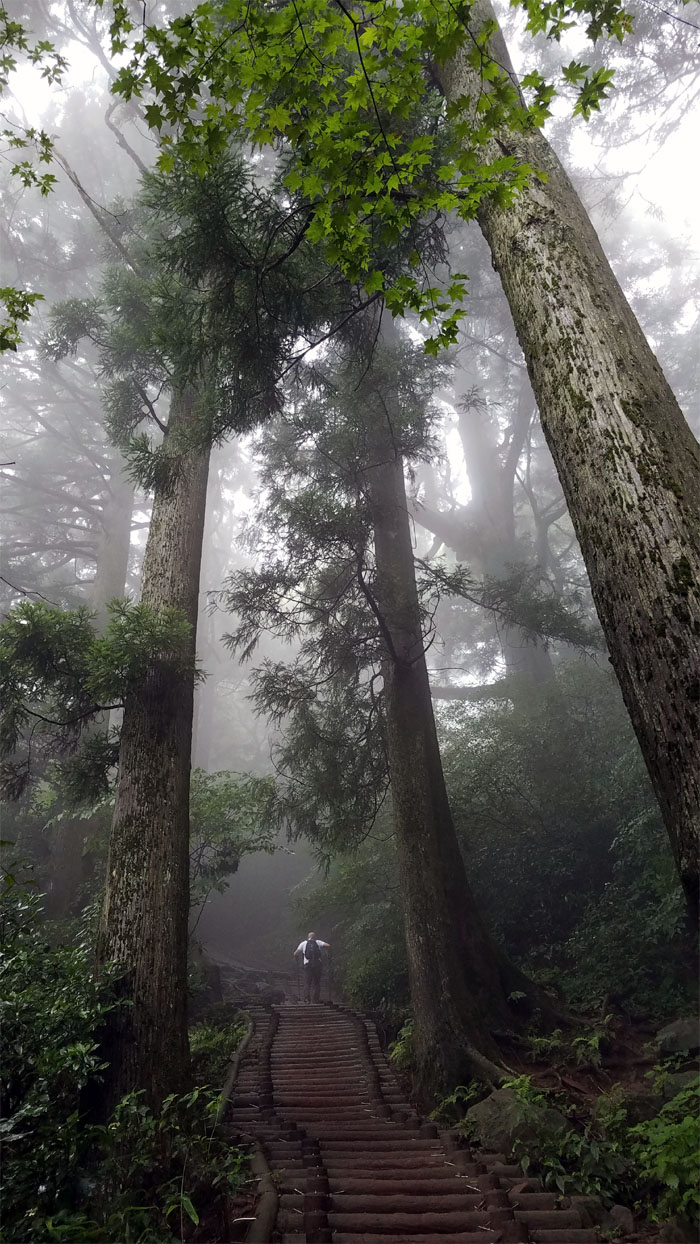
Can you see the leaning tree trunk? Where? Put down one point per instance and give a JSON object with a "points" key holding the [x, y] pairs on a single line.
{"points": [[458, 981], [144, 919], [627, 460]]}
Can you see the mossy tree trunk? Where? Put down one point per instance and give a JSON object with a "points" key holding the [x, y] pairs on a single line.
{"points": [[144, 918], [458, 981], [627, 460]]}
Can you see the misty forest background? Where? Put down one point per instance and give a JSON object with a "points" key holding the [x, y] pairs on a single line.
{"points": [[219, 419]]}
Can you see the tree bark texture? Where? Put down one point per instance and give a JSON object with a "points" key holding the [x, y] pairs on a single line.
{"points": [[145, 914], [627, 460], [458, 991]]}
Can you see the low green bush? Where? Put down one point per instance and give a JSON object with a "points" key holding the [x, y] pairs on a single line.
{"points": [[666, 1152], [652, 1165], [402, 1050], [212, 1047], [141, 1177]]}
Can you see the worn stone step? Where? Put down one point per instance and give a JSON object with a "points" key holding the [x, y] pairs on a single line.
{"points": [[559, 1236], [335, 1160], [533, 1200], [400, 1223], [315, 1124], [402, 1176], [548, 1219], [281, 1153], [508, 1182], [292, 1201], [358, 1128], [422, 1203], [406, 1188], [315, 1099], [319, 1047], [328, 1134], [401, 1144], [462, 1237], [357, 1078], [320, 1030], [347, 1062]]}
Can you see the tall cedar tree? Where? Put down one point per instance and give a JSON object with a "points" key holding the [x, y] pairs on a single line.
{"points": [[146, 903], [458, 980], [232, 287], [627, 460]]}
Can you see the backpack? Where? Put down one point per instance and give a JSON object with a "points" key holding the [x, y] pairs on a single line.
{"points": [[312, 954]]}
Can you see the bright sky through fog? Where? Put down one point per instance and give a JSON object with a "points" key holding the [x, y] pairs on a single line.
{"points": [[670, 181], [665, 180]]}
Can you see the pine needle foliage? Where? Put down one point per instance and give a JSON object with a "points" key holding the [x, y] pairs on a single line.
{"points": [[315, 584], [319, 592], [222, 293], [57, 677]]}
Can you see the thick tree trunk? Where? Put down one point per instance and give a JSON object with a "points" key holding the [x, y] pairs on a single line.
{"points": [[144, 919], [112, 561], [627, 460], [457, 979]]}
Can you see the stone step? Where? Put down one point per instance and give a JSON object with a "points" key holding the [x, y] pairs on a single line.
{"points": [[401, 1144], [559, 1236], [485, 1236], [334, 1160], [533, 1200], [315, 1099], [437, 1202], [329, 1134], [406, 1188], [402, 1176], [400, 1223], [548, 1219]]}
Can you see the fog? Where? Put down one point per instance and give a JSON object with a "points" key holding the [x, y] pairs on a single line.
{"points": [[486, 495]]}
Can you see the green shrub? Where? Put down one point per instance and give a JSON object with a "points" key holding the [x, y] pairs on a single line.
{"points": [[402, 1050], [140, 1177], [666, 1151], [212, 1046], [51, 1006], [654, 1163], [630, 942]]}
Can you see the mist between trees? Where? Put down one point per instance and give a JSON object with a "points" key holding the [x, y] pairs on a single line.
{"points": [[350, 522]]}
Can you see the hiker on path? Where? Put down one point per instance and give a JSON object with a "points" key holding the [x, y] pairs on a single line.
{"points": [[312, 959]]}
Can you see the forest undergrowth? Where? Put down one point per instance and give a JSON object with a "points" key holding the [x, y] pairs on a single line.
{"points": [[137, 1176], [573, 871], [598, 1111]]}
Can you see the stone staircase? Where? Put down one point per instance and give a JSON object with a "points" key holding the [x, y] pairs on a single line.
{"points": [[354, 1164]]}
